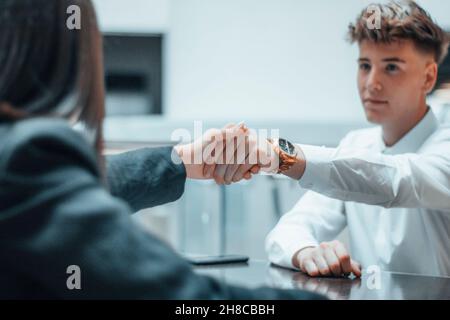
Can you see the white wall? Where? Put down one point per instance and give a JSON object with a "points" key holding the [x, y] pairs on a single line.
{"points": [[253, 59], [439, 10], [247, 59], [136, 16]]}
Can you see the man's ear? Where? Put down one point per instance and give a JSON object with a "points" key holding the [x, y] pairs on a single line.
{"points": [[431, 73]]}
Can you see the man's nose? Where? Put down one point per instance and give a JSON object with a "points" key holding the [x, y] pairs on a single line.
{"points": [[373, 83]]}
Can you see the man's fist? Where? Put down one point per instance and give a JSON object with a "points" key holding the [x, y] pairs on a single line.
{"points": [[328, 259]]}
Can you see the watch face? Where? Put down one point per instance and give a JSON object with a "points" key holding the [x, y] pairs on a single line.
{"points": [[286, 146]]}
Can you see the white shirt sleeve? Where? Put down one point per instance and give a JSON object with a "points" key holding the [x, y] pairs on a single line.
{"points": [[413, 180], [314, 219]]}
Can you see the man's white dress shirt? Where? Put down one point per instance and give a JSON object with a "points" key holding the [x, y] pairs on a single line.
{"points": [[394, 200]]}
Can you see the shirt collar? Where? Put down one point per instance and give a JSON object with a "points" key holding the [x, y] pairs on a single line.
{"points": [[415, 138]]}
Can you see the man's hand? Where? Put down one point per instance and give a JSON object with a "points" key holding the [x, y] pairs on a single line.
{"points": [[259, 154], [248, 156], [202, 156], [328, 259], [232, 154]]}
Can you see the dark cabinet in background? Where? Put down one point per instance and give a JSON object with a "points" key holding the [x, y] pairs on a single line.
{"points": [[133, 71]]}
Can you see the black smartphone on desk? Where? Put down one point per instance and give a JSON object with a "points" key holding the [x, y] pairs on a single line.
{"points": [[205, 260]]}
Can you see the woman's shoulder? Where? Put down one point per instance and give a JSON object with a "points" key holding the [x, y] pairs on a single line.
{"points": [[35, 143]]}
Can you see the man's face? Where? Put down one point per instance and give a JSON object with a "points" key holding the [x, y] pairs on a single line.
{"points": [[393, 80]]}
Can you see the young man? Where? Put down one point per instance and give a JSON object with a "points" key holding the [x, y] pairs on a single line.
{"points": [[390, 185]]}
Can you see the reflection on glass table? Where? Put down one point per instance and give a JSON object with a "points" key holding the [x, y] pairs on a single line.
{"points": [[388, 285]]}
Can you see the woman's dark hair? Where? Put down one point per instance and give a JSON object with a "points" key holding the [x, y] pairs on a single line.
{"points": [[46, 68]]}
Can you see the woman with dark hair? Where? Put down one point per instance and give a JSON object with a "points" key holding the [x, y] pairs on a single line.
{"points": [[61, 202]]}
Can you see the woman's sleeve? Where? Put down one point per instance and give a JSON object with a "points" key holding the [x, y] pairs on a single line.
{"points": [[146, 177]]}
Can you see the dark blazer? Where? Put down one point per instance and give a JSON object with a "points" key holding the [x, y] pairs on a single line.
{"points": [[55, 212]]}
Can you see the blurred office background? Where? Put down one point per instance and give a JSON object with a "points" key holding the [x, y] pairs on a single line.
{"points": [[276, 64]]}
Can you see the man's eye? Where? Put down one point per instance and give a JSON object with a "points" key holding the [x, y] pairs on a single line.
{"points": [[364, 66], [391, 68]]}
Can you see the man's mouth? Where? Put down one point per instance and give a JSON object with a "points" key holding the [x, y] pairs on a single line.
{"points": [[374, 101]]}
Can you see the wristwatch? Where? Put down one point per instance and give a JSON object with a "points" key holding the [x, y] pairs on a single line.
{"points": [[286, 152]]}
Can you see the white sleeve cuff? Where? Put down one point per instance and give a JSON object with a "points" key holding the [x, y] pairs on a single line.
{"points": [[291, 250], [281, 249], [318, 166]]}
